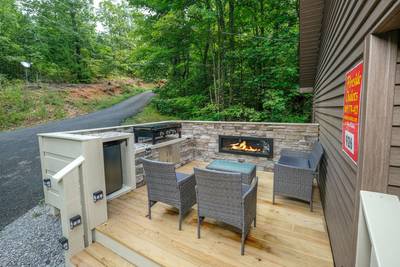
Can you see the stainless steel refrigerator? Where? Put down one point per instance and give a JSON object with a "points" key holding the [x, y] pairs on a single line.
{"points": [[112, 166]]}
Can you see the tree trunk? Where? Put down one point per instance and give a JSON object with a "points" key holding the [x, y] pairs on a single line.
{"points": [[232, 49], [77, 43], [221, 49]]}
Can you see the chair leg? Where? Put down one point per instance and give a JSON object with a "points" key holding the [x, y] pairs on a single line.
{"points": [[255, 221], [199, 221], [149, 203], [273, 197], [311, 199], [242, 243], [180, 219]]}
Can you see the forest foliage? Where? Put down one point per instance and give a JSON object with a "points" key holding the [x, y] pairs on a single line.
{"points": [[220, 59]]}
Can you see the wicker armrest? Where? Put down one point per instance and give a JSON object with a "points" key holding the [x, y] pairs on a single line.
{"points": [[252, 189], [294, 153], [187, 192], [250, 204]]}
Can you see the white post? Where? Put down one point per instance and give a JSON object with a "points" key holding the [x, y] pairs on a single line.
{"points": [[71, 206]]}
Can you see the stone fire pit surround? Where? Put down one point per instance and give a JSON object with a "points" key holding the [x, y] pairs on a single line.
{"points": [[296, 136]]}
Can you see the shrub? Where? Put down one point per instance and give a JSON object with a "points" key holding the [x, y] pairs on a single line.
{"points": [[184, 107]]}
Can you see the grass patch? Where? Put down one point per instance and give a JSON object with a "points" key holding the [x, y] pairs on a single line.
{"points": [[19, 106], [148, 114]]}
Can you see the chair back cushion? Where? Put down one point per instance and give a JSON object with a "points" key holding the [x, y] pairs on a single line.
{"points": [[316, 155], [219, 195], [161, 181]]}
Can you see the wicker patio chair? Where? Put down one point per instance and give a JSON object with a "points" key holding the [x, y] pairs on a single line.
{"points": [[294, 173], [223, 197], [169, 187]]}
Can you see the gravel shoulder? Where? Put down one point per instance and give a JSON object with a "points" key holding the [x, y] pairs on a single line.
{"points": [[32, 240]]}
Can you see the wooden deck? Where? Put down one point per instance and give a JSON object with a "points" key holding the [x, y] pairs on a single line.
{"points": [[287, 234]]}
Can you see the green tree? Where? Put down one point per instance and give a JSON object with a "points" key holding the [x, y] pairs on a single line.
{"points": [[117, 38], [241, 55], [14, 34], [63, 37]]}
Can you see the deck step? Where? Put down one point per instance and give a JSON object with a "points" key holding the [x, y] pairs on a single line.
{"points": [[120, 249], [96, 255]]}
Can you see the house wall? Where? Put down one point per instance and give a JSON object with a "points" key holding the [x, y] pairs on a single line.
{"points": [[345, 26], [394, 165]]}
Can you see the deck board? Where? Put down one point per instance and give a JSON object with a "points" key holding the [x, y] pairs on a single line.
{"points": [[287, 234]]}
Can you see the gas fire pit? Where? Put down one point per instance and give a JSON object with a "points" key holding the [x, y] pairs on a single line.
{"points": [[246, 145]]}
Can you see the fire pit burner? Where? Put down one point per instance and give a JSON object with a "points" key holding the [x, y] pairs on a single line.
{"points": [[245, 145]]}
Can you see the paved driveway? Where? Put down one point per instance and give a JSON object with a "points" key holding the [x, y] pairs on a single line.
{"points": [[20, 174]]}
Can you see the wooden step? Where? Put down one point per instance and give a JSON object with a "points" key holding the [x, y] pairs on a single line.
{"points": [[123, 249], [96, 255]]}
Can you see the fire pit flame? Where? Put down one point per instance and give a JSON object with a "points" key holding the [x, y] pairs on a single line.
{"points": [[244, 147]]}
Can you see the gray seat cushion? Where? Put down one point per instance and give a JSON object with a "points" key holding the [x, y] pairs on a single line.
{"points": [[181, 176], [295, 162]]}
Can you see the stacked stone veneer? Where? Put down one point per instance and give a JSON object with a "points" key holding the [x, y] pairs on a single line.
{"points": [[186, 148], [286, 135]]}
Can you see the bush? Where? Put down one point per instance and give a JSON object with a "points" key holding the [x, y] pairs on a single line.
{"points": [[287, 106], [239, 113], [233, 113], [183, 107]]}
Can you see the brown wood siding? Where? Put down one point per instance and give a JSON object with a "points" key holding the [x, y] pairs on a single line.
{"points": [[310, 27], [394, 169], [344, 28]]}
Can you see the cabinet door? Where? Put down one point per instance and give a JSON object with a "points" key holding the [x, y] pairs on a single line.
{"points": [[170, 153], [175, 153], [163, 154]]}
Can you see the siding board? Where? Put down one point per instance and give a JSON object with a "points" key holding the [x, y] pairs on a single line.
{"points": [[334, 112], [395, 156], [333, 102], [394, 190], [335, 92], [396, 136], [334, 122], [397, 94], [396, 116], [394, 176], [398, 74]]}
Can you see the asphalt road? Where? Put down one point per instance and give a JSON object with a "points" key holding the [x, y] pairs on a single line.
{"points": [[20, 175]]}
